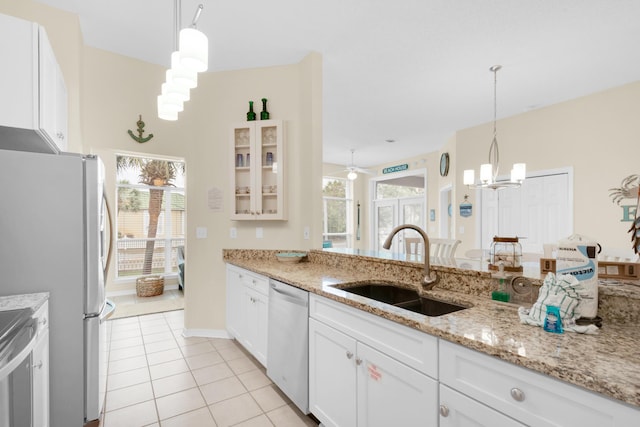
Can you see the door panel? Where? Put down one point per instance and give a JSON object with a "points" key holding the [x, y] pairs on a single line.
{"points": [[539, 212]]}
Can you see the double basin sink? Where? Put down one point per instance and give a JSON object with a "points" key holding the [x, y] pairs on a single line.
{"points": [[407, 299]]}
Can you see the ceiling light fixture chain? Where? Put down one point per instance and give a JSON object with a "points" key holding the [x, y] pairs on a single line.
{"points": [[489, 171]]}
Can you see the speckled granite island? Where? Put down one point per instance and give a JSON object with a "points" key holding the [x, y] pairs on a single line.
{"points": [[607, 363]]}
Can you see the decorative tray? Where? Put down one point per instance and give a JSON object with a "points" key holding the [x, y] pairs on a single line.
{"points": [[291, 256]]}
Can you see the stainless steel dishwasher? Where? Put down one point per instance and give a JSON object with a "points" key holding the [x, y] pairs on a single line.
{"points": [[288, 342]]}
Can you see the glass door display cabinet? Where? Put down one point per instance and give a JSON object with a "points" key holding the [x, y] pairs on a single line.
{"points": [[257, 180]]}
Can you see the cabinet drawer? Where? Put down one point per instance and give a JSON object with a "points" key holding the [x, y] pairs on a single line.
{"points": [[252, 280], [409, 346], [528, 396], [457, 410]]}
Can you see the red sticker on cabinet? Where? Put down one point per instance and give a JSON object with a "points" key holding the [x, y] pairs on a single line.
{"points": [[374, 373]]}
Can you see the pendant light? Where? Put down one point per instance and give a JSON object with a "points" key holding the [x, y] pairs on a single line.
{"points": [[194, 46], [489, 171], [190, 56]]}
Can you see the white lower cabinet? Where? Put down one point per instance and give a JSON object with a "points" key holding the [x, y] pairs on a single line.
{"points": [[256, 310], [332, 375], [248, 310], [526, 396], [351, 383]]}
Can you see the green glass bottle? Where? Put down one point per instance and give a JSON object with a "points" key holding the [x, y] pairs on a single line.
{"points": [[251, 115], [264, 114]]}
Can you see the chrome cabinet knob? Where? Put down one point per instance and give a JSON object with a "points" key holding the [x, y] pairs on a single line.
{"points": [[444, 410], [358, 361], [38, 365], [349, 355], [517, 394]]}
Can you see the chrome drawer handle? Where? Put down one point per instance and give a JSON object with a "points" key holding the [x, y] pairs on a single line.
{"points": [[517, 394], [349, 355], [444, 411]]}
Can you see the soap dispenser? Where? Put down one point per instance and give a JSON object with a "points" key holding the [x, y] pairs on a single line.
{"points": [[502, 294]]}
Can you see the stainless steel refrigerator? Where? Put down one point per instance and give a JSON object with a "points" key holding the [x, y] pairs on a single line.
{"points": [[53, 237]]}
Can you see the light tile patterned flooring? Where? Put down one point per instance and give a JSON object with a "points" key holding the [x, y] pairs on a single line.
{"points": [[157, 377]]}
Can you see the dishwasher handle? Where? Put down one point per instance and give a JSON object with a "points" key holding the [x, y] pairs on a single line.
{"points": [[290, 296]]}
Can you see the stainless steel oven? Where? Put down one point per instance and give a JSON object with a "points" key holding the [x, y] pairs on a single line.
{"points": [[17, 339]]}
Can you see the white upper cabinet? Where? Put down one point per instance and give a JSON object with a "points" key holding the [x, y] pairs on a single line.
{"points": [[33, 116], [257, 177]]}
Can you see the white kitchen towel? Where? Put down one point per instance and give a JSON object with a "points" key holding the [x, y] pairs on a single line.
{"points": [[563, 292]]}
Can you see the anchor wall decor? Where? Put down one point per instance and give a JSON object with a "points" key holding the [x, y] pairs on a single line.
{"points": [[140, 138]]}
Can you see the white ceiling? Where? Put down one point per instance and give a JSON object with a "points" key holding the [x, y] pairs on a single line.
{"points": [[414, 71]]}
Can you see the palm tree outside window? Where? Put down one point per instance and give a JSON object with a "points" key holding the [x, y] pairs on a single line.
{"points": [[151, 214]]}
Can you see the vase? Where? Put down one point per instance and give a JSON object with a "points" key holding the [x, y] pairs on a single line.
{"points": [[251, 116], [264, 114]]}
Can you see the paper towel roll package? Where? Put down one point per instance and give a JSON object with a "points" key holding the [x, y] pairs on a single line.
{"points": [[578, 256]]}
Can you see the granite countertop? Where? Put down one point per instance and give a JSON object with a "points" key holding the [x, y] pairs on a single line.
{"points": [[607, 362], [16, 302]]}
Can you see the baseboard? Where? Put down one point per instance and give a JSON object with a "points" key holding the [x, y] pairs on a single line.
{"points": [[207, 333]]}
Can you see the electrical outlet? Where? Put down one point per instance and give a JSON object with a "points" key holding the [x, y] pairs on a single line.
{"points": [[201, 232], [306, 233], [259, 232], [233, 233]]}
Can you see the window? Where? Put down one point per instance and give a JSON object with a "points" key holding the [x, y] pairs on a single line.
{"points": [[337, 213], [150, 215]]}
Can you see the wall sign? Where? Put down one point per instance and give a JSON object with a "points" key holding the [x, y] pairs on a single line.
{"points": [[397, 168], [466, 209]]}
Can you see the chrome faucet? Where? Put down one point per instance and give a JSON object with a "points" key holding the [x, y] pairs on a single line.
{"points": [[428, 281]]}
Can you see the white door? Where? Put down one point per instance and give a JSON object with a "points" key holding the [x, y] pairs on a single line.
{"points": [[390, 213], [382, 380], [538, 212], [412, 211], [445, 215], [385, 218], [332, 376]]}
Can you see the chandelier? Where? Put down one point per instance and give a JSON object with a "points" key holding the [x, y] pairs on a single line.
{"points": [[489, 171], [190, 57]]}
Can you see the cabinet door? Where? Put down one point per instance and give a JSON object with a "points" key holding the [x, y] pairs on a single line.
{"points": [[332, 376], [41, 380], [242, 137], [382, 380], [458, 410], [61, 112], [256, 314], [235, 303], [270, 169], [48, 86]]}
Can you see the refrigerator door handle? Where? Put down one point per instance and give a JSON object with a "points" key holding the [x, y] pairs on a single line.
{"points": [[110, 237]]}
